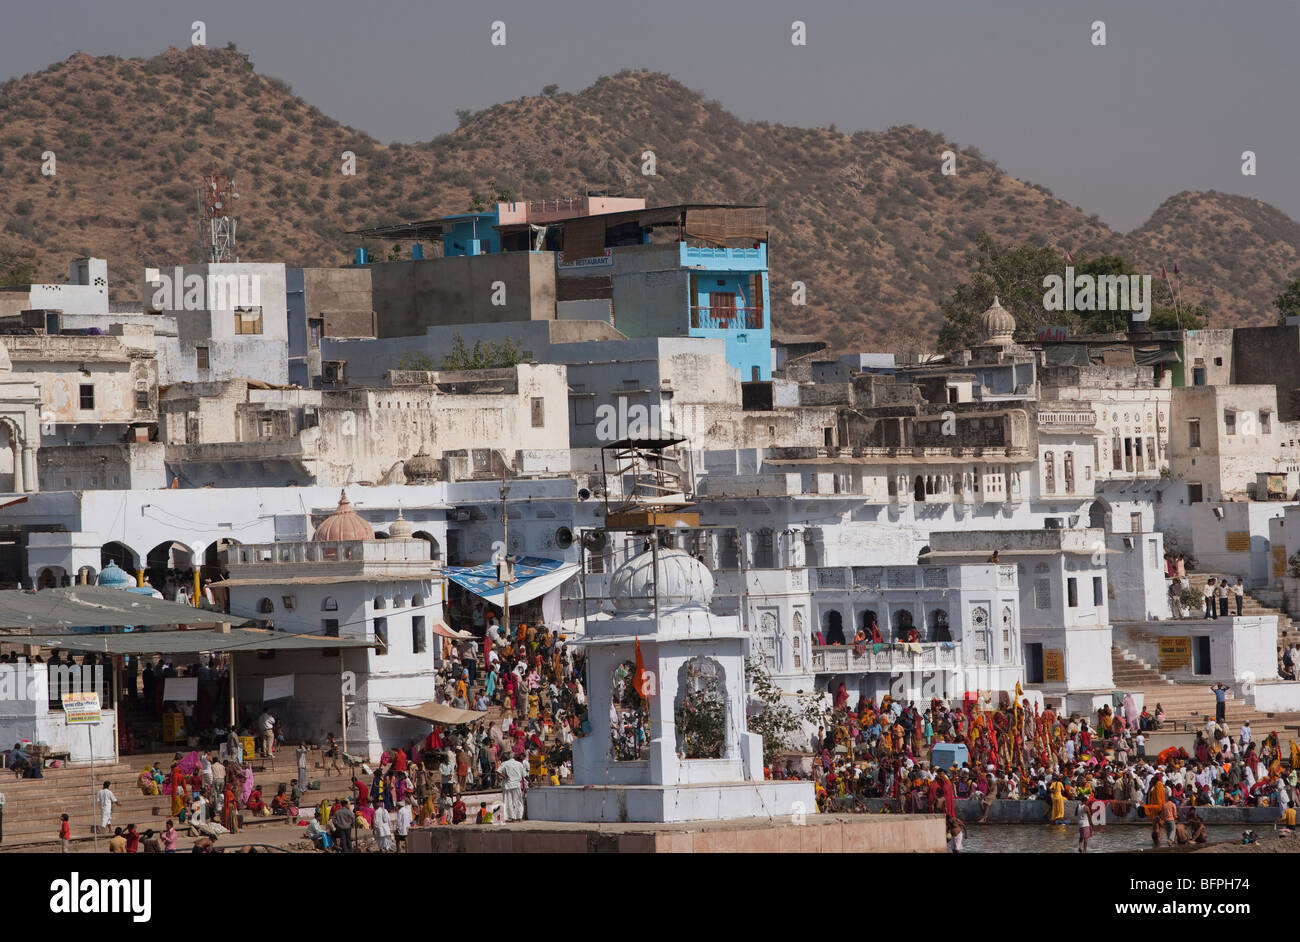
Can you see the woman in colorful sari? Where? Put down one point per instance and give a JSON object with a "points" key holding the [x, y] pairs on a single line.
{"points": [[246, 785], [147, 785], [1155, 803], [176, 788], [1056, 794], [256, 805], [230, 810]]}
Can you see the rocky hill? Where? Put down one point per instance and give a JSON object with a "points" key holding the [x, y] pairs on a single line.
{"points": [[866, 221]]}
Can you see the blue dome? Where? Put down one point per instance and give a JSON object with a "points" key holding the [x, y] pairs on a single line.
{"points": [[115, 577]]}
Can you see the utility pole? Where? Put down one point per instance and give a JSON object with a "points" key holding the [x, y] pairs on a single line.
{"points": [[503, 566]]}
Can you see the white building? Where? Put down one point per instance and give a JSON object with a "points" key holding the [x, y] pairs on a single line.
{"points": [[345, 583]]}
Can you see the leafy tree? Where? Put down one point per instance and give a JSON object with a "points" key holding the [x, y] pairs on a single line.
{"points": [[775, 719], [1288, 302], [417, 362], [549, 91], [1013, 274], [484, 356]]}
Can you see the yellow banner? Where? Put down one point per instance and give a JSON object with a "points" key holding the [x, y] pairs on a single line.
{"points": [[1175, 653]]}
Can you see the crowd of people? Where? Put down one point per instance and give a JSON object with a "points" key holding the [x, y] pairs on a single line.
{"points": [[1017, 752]]}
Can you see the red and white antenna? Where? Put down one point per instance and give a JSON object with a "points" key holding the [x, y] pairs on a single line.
{"points": [[217, 222]]}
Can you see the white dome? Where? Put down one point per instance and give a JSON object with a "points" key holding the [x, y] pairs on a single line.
{"points": [[683, 581]]}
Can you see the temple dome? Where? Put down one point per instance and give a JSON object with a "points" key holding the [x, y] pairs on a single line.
{"points": [[998, 324], [683, 581], [343, 525], [401, 528], [115, 577], [422, 466]]}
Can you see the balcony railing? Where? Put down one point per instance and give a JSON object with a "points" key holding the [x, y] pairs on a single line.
{"points": [[727, 318], [841, 659]]}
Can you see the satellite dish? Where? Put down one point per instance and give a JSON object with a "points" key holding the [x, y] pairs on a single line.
{"points": [[563, 538]]}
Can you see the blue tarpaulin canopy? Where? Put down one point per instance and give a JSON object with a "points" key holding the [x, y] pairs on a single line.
{"points": [[534, 576]]}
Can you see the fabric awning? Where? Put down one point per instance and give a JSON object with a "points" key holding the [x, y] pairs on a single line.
{"points": [[440, 629], [97, 606], [534, 576], [432, 712]]}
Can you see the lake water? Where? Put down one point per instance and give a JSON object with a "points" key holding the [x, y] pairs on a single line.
{"points": [[1047, 839]]}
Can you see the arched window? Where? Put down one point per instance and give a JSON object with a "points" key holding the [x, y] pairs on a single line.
{"points": [[1049, 472], [266, 606], [903, 623], [834, 627], [1069, 472], [380, 602], [629, 721], [329, 605], [918, 488], [700, 709], [939, 625], [417, 600]]}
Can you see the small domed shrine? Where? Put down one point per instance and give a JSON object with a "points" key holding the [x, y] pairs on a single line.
{"points": [[668, 742], [343, 525]]}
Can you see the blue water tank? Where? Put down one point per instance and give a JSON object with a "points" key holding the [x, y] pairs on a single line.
{"points": [[417, 251], [363, 257]]}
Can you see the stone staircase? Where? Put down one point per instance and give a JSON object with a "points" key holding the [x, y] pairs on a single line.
{"points": [[1188, 704], [33, 806]]}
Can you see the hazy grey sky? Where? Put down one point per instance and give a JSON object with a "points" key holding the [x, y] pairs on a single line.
{"points": [[1181, 88]]}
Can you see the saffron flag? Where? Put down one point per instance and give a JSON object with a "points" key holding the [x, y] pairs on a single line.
{"points": [[640, 677], [1069, 257], [1164, 275]]}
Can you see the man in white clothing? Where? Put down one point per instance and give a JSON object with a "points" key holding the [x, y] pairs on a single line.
{"points": [[266, 724], [404, 818], [105, 799], [512, 773], [384, 829]]}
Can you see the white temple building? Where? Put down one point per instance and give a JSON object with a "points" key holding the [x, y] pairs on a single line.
{"points": [[682, 753]]}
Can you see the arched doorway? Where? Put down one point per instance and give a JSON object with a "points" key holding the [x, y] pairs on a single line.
{"points": [[164, 564], [834, 627], [121, 554], [918, 489], [435, 551], [1099, 514]]}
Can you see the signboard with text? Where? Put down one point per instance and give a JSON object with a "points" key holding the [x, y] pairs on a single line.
{"points": [[81, 708], [1175, 653], [1053, 666]]}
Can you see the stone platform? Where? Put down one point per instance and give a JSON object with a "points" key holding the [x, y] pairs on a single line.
{"points": [[817, 833], [649, 804]]}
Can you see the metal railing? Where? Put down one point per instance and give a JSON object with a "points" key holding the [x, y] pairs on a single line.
{"points": [[842, 658], [727, 318]]}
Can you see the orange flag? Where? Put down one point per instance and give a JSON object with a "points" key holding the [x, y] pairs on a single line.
{"points": [[640, 676]]}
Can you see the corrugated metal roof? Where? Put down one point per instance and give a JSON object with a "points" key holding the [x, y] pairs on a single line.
{"points": [[91, 606], [189, 642]]}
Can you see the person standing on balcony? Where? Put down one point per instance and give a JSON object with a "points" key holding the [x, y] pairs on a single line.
{"points": [[1207, 594], [1239, 593]]}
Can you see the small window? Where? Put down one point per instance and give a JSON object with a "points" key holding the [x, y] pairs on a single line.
{"points": [[1194, 433], [142, 399], [1266, 422], [266, 428], [87, 396], [331, 626], [289, 602], [381, 602], [266, 606], [1230, 421], [381, 635], [1097, 595], [1194, 494], [329, 605], [314, 331], [539, 412], [248, 320], [1072, 592], [419, 643], [201, 358]]}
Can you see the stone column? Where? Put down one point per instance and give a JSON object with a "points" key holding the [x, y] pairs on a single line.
{"points": [[31, 481], [18, 466]]}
